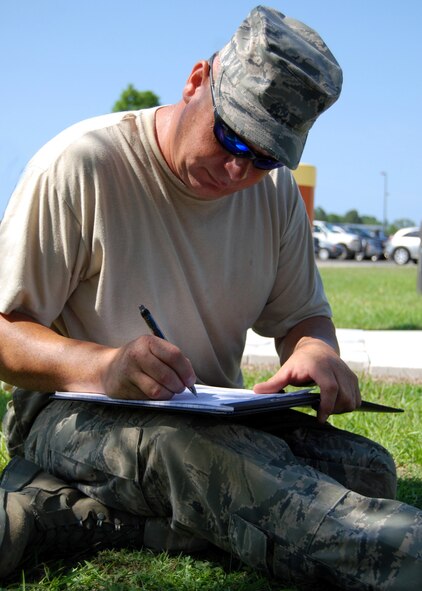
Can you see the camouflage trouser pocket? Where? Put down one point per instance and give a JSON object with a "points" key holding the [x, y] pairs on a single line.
{"points": [[248, 542]]}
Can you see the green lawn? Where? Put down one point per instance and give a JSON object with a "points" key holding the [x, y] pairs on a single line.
{"points": [[363, 297], [374, 297], [129, 570]]}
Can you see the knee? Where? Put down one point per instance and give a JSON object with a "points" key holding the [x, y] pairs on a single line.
{"points": [[368, 467], [382, 476]]}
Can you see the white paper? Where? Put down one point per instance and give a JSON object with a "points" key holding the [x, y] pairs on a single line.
{"points": [[209, 397]]}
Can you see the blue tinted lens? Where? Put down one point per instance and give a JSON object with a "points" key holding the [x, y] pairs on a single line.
{"points": [[233, 144], [230, 141]]}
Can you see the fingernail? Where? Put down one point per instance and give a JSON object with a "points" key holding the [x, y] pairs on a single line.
{"points": [[191, 381]]}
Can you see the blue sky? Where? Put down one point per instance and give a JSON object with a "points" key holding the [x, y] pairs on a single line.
{"points": [[61, 62]]}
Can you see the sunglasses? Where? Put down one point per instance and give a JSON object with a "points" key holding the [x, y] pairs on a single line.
{"points": [[232, 143]]}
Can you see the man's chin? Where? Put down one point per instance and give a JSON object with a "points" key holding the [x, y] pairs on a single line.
{"points": [[211, 190], [211, 195]]}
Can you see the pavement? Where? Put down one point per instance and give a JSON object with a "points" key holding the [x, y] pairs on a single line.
{"points": [[384, 354]]}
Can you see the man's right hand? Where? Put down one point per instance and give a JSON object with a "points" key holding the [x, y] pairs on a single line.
{"points": [[148, 367]]}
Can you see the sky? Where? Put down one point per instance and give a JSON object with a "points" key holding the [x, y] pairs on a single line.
{"points": [[61, 62]]}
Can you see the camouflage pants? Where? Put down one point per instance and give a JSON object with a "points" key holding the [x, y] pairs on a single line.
{"points": [[282, 493]]}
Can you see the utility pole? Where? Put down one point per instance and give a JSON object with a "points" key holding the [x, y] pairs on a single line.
{"points": [[385, 195]]}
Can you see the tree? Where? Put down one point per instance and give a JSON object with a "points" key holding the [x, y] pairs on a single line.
{"points": [[334, 218], [352, 217], [319, 214], [370, 220], [403, 223], [132, 99]]}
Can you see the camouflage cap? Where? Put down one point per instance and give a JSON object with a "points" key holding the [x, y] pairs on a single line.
{"points": [[276, 76]]}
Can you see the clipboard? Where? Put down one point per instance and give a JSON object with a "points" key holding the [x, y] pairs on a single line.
{"points": [[221, 401]]}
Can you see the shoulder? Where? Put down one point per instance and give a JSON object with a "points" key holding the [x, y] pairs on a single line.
{"points": [[278, 191], [91, 139], [283, 181]]}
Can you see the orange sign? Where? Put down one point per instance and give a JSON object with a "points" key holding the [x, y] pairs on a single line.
{"points": [[305, 176]]}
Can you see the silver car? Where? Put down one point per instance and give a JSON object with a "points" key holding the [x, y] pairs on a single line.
{"points": [[404, 246], [349, 243]]}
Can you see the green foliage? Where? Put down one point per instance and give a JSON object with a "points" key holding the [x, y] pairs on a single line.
{"points": [[370, 220], [400, 223], [320, 214], [132, 99], [353, 217]]}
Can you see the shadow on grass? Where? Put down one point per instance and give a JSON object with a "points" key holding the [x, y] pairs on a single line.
{"points": [[141, 569], [405, 326], [409, 490]]}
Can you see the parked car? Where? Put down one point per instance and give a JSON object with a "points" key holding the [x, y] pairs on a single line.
{"points": [[372, 247], [349, 243], [404, 246], [378, 233], [325, 250]]}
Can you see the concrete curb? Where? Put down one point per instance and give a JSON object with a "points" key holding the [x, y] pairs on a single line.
{"points": [[381, 354]]}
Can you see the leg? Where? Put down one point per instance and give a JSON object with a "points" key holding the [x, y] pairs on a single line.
{"points": [[239, 488], [358, 463], [41, 516]]}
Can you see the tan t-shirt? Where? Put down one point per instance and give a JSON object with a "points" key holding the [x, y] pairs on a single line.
{"points": [[99, 225]]}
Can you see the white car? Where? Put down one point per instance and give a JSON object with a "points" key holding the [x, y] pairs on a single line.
{"points": [[404, 246], [349, 242]]}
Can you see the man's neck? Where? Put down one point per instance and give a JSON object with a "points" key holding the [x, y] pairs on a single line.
{"points": [[163, 122]]}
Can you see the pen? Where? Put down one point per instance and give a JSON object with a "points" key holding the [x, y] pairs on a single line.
{"points": [[156, 330]]}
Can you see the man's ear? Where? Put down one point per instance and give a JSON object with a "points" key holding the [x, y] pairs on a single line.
{"points": [[197, 79]]}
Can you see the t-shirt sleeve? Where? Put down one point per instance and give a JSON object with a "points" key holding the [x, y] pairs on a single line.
{"points": [[297, 292], [42, 252]]}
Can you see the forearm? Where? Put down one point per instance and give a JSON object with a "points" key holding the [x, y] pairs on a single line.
{"points": [[318, 327], [33, 356], [36, 358]]}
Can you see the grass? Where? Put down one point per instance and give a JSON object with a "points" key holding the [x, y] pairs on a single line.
{"points": [[133, 570], [374, 297], [371, 298], [125, 570]]}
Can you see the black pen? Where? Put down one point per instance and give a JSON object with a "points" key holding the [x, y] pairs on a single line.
{"points": [[156, 330]]}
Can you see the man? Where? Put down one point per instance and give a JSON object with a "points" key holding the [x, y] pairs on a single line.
{"points": [[191, 210]]}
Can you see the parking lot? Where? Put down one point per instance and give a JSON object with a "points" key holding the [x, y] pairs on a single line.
{"points": [[357, 243]]}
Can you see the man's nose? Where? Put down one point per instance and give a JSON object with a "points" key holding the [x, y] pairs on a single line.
{"points": [[238, 168]]}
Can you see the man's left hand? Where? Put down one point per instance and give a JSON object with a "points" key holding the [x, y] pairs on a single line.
{"points": [[313, 360]]}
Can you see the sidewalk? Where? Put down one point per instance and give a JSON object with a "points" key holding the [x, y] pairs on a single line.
{"points": [[379, 353]]}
